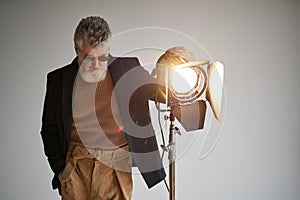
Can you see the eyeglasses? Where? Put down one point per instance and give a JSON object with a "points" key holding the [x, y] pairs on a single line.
{"points": [[99, 58]]}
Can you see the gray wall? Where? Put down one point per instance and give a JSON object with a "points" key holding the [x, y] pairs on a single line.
{"points": [[258, 154]]}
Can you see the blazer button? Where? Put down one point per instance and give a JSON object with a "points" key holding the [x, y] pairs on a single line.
{"points": [[146, 141]]}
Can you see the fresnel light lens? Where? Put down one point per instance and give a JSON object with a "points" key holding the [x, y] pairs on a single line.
{"points": [[184, 80]]}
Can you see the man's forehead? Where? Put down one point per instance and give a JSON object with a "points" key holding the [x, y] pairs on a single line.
{"points": [[102, 47]]}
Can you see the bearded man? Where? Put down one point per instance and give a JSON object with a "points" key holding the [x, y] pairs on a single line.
{"points": [[89, 138]]}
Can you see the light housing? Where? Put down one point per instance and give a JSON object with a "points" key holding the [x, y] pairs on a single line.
{"points": [[178, 67]]}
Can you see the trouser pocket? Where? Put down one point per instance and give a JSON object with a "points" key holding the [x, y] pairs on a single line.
{"points": [[65, 174]]}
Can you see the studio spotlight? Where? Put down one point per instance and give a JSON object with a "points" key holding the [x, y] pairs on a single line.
{"points": [[191, 83]]}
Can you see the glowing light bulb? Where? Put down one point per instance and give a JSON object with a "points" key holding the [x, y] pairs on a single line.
{"points": [[183, 80]]}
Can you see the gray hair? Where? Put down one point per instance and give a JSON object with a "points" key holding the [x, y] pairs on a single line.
{"points": [[93, 30]]}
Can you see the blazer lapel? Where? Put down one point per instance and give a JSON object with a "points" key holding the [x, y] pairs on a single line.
{"points": [[68, 79], [115, 68]]}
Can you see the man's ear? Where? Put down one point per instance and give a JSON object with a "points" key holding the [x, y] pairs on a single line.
{"points": [[76, 50]]}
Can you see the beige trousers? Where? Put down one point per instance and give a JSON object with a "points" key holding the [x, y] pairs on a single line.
{"points": [[97, 175]]}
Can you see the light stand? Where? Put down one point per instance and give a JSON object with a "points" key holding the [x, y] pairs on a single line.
{"points": [[172, 156]]}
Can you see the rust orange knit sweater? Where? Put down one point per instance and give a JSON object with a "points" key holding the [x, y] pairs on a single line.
{"points": [[94, 125]]}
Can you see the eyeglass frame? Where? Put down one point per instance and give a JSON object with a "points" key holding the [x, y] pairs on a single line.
{"points": [[88, 58]]}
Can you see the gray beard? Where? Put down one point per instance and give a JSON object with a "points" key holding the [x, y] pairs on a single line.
{"points": [[95, 76]]}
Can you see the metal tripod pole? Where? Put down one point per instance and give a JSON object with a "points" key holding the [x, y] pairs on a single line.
{"points": [[172, 157]]}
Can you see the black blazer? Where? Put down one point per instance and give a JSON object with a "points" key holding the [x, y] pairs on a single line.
{"points": [[57, 117]]}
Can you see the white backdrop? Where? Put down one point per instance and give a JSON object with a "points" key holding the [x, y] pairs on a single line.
{"points": [[258, 155]]}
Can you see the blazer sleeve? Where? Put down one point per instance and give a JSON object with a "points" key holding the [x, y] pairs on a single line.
{"points": [[49, 131], [155, 91]]}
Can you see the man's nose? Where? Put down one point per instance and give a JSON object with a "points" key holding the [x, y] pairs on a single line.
{"points": [[96, 63]]}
